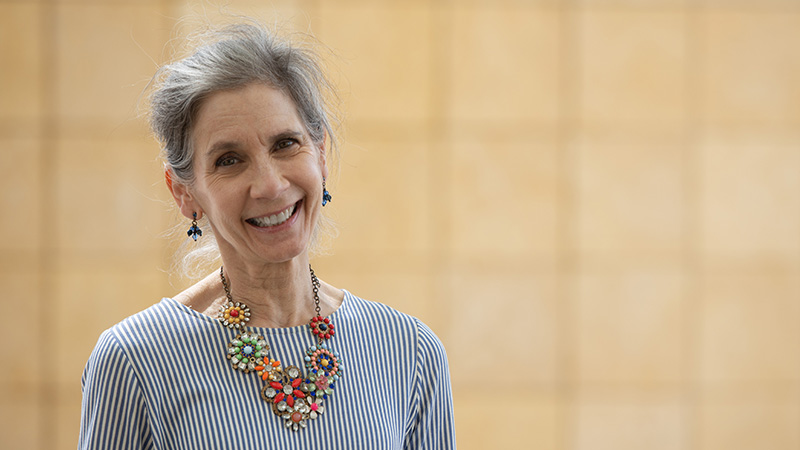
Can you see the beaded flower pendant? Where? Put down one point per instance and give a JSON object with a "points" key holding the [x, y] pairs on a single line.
{"points": [[296, 398], [234, 315], [291, 399], [247, 351], [324, 368], [322, 328]]}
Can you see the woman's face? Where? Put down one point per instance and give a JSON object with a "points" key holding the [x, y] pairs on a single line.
{"points": [[258, 175]]}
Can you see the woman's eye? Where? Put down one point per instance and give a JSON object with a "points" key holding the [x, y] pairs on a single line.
{"points": [[285, 143], [227, 160]]}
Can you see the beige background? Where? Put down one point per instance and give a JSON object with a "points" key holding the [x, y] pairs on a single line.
{"points": [[594, 203]]}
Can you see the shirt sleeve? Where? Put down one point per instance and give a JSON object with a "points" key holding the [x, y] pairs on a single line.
{"points": [[113, 410], [431, 425]]}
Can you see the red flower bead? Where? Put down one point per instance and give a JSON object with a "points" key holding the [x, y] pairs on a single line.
{"points": [[321, 327]]}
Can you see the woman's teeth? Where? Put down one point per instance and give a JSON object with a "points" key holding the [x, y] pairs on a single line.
{"points": [[275, 219]]}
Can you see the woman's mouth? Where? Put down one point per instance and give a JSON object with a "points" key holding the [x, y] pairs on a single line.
{"points": [[274, 219]]}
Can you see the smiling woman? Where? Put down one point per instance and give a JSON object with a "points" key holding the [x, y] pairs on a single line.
{"points": [[254, 354]]}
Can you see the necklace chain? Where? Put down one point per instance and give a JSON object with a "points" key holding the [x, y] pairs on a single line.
{"points": [[315, 284]]}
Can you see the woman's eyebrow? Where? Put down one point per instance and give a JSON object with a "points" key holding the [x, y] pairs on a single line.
{"points": [[222, 146], [286, 135]]}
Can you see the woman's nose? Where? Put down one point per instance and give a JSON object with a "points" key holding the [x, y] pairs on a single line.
{"points": [[267, 181]]}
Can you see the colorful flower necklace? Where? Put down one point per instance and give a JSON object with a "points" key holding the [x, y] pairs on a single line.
{"points": [[295, 397]]}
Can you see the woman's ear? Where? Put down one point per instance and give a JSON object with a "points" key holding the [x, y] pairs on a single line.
{"points": [[183, 198]]}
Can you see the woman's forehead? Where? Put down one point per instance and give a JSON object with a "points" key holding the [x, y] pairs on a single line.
{"points": [[254, 108], [255, 100]]}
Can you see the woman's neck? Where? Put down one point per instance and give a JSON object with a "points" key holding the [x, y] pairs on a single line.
{"points": [[279, 296]]}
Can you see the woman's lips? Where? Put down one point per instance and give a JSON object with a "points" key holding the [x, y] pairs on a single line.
{"points": [[274, 219]]}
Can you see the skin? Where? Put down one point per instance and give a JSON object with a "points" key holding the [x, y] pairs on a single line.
{"points": [[254, 158]]}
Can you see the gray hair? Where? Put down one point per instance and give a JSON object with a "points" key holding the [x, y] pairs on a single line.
{"points": [[230, 58]]}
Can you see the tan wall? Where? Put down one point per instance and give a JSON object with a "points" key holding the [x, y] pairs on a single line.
{"points": [[594, 203]]}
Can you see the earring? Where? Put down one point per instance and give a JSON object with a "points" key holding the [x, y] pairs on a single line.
{"points": [[194, 230], [326, 196]]}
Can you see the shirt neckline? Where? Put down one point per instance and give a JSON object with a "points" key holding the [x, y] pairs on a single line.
{"points": [[181, 308]]}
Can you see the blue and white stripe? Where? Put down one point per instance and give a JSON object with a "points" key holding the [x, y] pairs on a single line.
{"points": [[160, 380]]}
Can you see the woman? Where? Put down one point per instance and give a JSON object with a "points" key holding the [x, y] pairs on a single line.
{"points": [[261, 353]]}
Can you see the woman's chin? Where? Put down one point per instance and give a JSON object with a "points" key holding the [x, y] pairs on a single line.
{"points": [[281, 252]]}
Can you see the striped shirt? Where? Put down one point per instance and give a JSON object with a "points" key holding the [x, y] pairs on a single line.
{"points": [[160, 379]]}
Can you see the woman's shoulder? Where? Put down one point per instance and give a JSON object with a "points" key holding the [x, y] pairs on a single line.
{"points": [[358, 307], [116, 344], [387, 318], [157, 312], [150, 324], [147, 336]]}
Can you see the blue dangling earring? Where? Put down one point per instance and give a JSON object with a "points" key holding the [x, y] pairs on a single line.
{"points": [[326, 196], [194, 230]]}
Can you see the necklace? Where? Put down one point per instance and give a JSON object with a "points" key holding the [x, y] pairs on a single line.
{"points": [[294, 395]]}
